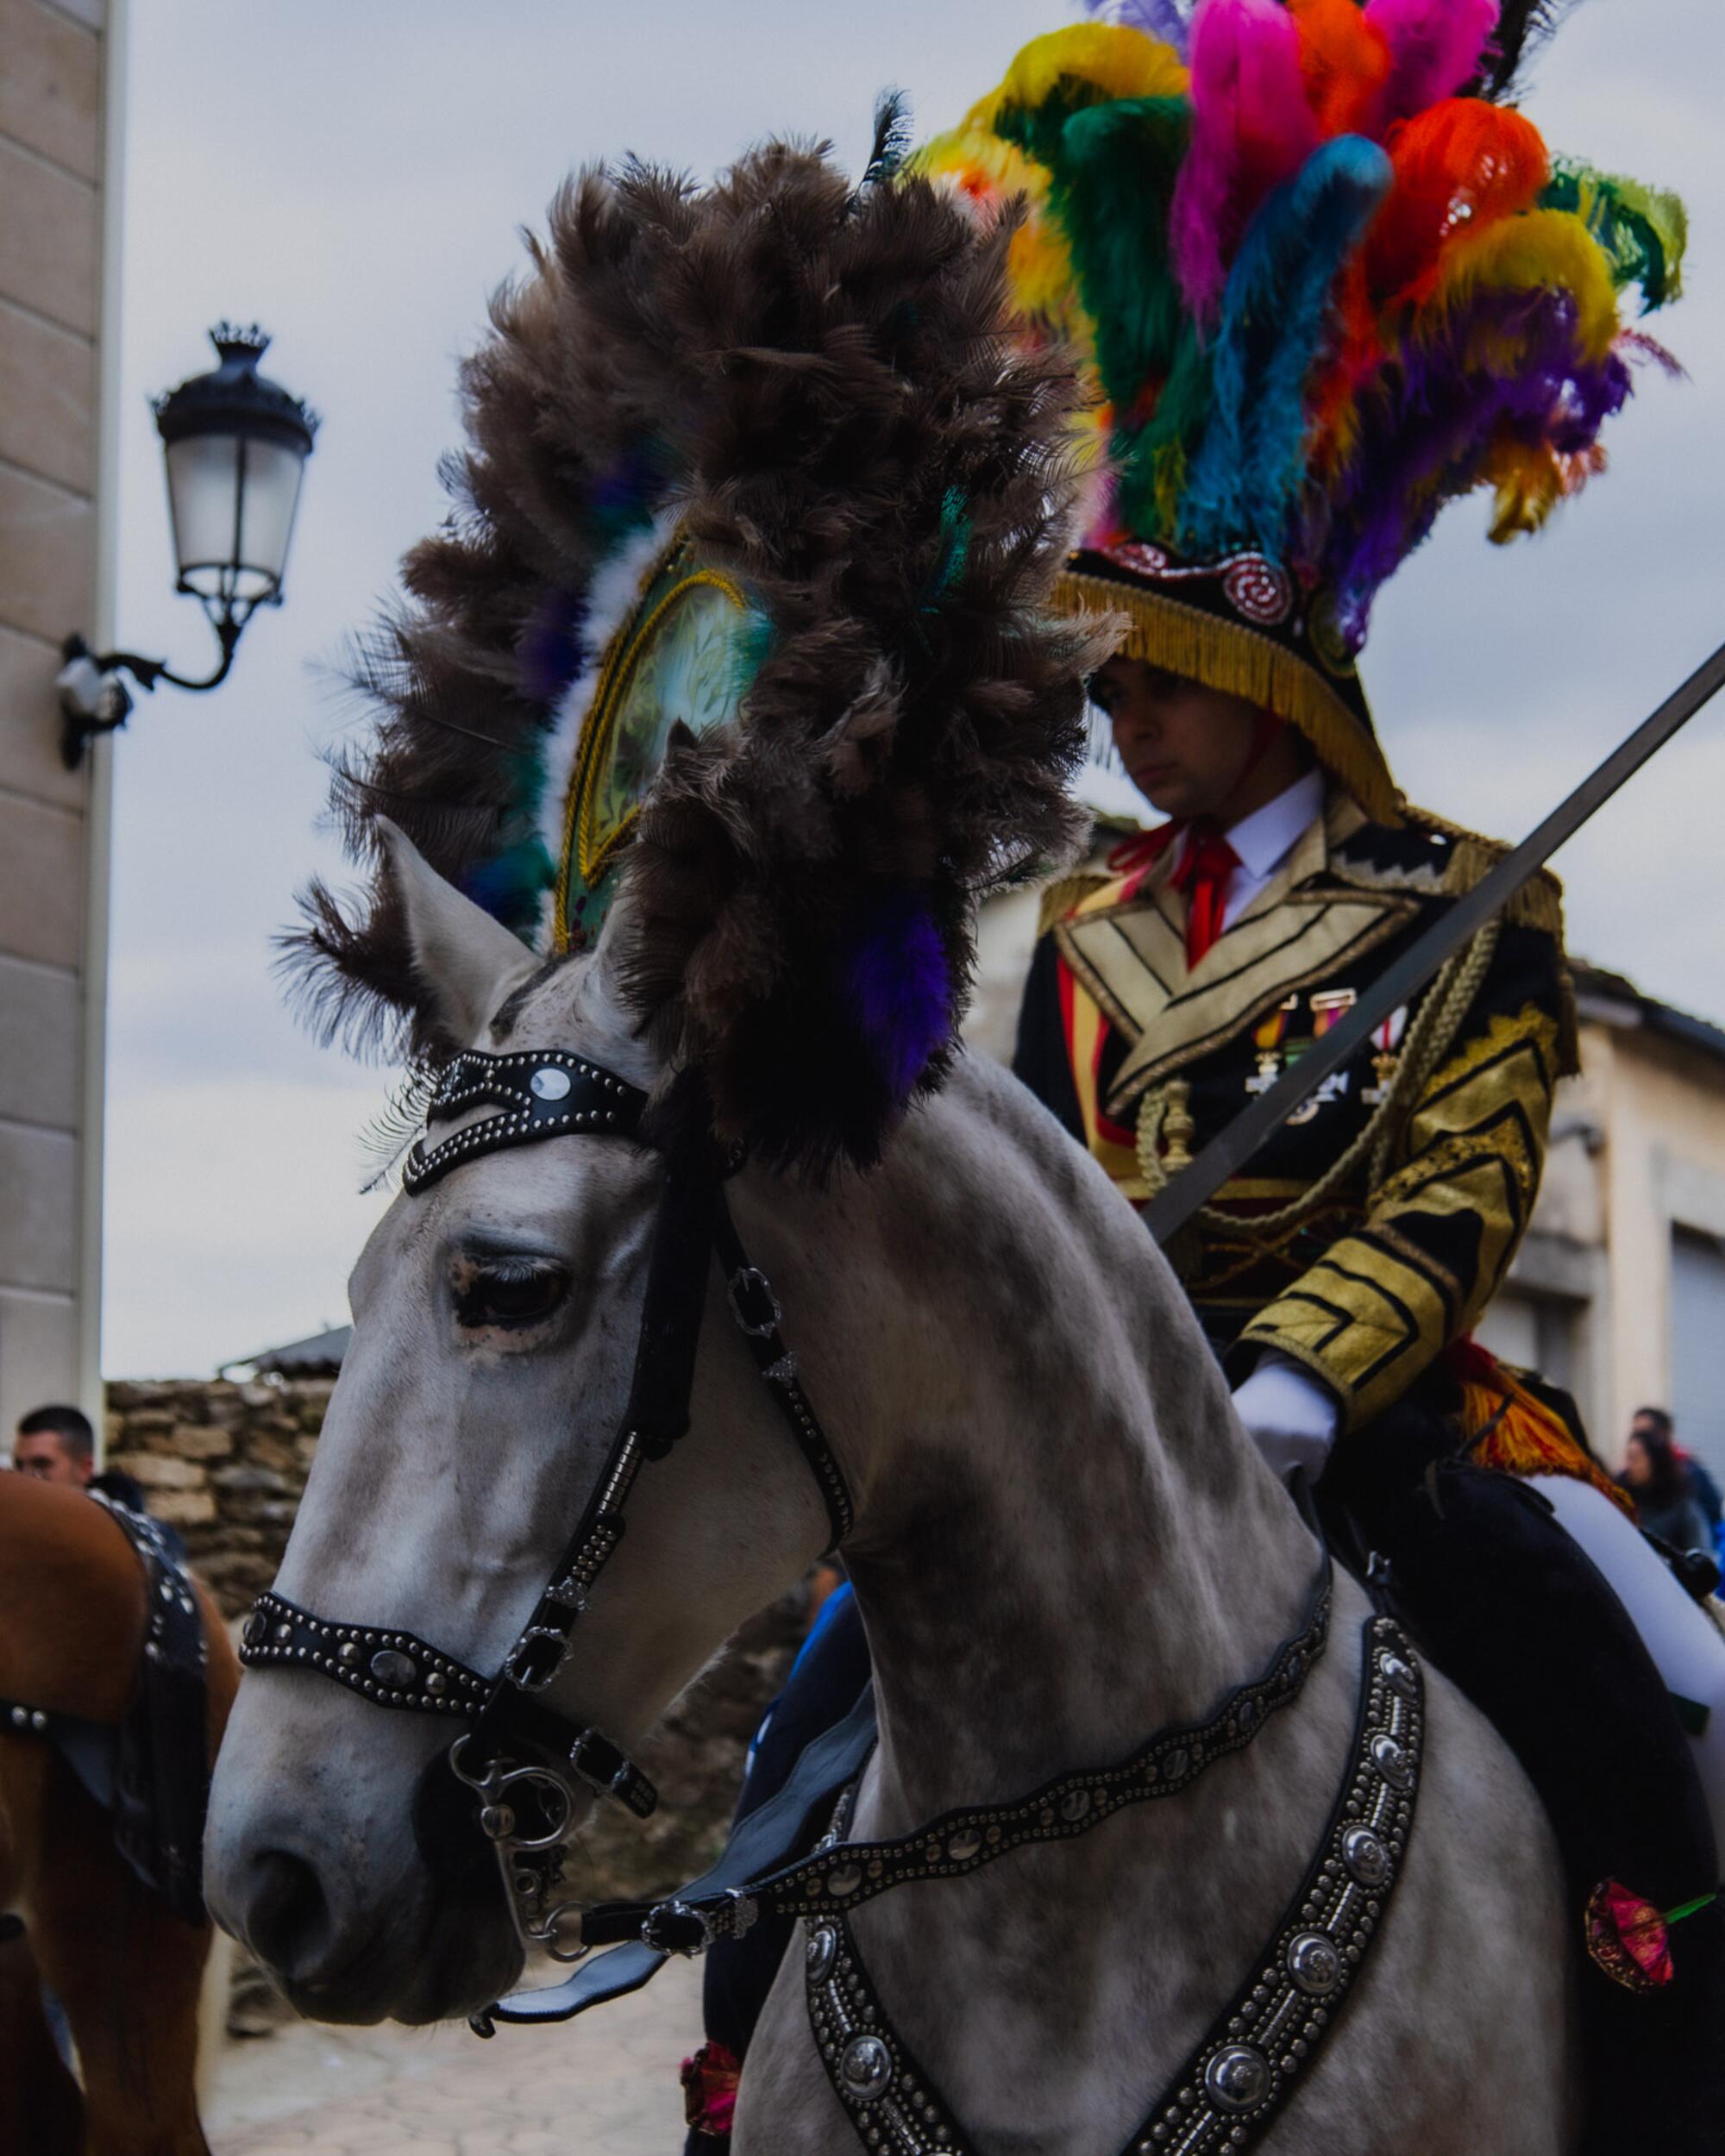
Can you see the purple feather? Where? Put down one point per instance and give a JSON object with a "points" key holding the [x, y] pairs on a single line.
{"points": [[898, 985], [1164, 19], [548, 655], [1427, 425]]}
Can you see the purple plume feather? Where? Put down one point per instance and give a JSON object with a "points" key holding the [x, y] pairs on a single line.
{"points": [[1427, 425], [898, 985], [1164, 19]]}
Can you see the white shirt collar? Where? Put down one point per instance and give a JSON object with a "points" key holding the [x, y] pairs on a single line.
{"points": [[1265, 839]]}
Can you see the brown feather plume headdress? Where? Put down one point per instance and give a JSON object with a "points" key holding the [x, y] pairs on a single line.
{"points": [[811, 391]]}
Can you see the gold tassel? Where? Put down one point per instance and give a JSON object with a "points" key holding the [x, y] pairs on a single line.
{"points": [[1512, 1431]]}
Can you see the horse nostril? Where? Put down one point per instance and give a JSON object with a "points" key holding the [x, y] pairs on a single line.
{"points": [[288, 1923]]}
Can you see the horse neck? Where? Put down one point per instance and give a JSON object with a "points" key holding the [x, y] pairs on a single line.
{"points": [[1065, 1540]]}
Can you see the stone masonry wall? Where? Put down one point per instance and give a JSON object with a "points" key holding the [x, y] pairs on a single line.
{"points": [[226, 1464]]}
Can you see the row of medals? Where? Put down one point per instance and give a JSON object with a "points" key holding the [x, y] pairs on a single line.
{"points": [[1327, 1007]]}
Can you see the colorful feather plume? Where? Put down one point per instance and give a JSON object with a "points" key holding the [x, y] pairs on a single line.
{"points": [[1322, 278]]}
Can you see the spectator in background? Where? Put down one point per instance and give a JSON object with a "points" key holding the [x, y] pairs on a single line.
{"points": [[1661, 1484], [56, 1444], [1703, 1487]]}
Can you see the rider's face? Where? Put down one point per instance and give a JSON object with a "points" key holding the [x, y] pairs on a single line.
{"points": [[1185, 747]]}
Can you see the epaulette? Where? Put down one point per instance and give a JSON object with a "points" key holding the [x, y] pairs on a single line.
{"points": [[1429, 856], [1065, 894], [1069, 892]]}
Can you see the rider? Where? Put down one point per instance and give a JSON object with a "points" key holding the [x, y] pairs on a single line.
{"points": [[1319, 293], [1297, 368]]}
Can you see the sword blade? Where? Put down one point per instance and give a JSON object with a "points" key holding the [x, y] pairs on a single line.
{"points": [[1227, 1154]]}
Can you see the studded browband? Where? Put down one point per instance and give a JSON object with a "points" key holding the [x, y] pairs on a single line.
{"points": [[963, 1841], [542, 1094], [1265, 2042], [539, 1095]]}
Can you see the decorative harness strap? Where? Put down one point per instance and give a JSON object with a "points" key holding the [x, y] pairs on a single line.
{"points": [[963, 1841], [1235, 2083], [517, 1751]]}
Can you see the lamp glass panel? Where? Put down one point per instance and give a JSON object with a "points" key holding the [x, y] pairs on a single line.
{"points": [[203, 475], [272, 475]]}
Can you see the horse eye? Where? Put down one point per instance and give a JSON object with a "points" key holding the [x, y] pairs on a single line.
{"points": [[502, 1293]]}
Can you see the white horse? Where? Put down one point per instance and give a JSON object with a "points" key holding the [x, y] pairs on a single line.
{"points": [[1063, 1541]]}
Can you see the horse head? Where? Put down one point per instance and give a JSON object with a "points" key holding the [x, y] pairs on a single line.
{"points": [[495, 1337]]}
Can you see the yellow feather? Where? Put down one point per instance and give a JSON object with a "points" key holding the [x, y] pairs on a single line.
{"points": [[1543, 247], [1124, 62]]}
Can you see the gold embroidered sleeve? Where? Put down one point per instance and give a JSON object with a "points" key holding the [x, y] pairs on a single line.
{"points": [[1439, 1231]]}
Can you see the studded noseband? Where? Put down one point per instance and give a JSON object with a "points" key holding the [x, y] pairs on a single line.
{"points": [[520, 1756]]}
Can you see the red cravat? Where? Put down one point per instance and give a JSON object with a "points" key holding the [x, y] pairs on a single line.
{"points": [[1205, 867]]}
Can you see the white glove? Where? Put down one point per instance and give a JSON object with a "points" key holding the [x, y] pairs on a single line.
{"points": [[1289, 1415]]}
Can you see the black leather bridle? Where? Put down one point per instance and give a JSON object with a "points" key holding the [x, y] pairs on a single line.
{"points": [[520, 1756]]}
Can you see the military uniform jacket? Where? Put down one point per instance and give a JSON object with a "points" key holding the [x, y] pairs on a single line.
{"points": [[1371, 1231]]}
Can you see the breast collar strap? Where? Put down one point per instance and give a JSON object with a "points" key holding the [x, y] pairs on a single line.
{"points": [[515, 1750]]}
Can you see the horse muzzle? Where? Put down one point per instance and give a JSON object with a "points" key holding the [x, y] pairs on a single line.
{"points": [[310, 1862]]}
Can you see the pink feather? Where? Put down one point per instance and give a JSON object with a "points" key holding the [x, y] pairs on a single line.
{"points": [[1435, 46], [1251, 128]]}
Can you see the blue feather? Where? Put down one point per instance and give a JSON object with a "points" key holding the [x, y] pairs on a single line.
{"points": [[1277, 314]]}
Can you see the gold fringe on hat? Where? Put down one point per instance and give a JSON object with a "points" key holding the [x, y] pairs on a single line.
{"points": [[1228, 656]]}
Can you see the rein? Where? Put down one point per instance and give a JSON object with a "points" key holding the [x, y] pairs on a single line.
{"points": [[517, 1753]]}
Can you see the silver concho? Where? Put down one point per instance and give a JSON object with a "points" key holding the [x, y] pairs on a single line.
{"points": [[1314, 1964], [1392, 1762], [1399, 1676], [1365, 1856], [845, 1880], [391, 1666], [866, 2069], [551, 1083], [1237, 2078], [964, 1845], [822, 1944], [1074, 1805]]}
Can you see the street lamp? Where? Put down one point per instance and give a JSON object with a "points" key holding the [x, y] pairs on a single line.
{"points": [[236, 445]]}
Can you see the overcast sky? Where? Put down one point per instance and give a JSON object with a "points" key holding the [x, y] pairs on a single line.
{"points": [[353, 176]]}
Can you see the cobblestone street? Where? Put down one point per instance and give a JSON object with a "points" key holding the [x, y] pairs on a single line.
{"points": [[606, 2086]]}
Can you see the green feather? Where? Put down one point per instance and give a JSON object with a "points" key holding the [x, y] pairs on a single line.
{"points": [[1111, 179], [1643, 230]]}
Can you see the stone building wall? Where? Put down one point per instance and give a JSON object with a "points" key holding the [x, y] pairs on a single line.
{"points": [[225, 1464], [55, 350]]}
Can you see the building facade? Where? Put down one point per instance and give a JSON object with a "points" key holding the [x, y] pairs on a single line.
{"points": [[1619, 1290], [61, 64]]}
